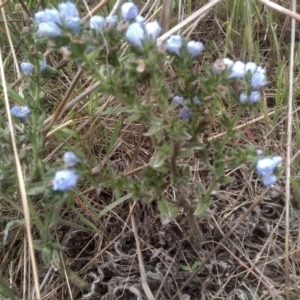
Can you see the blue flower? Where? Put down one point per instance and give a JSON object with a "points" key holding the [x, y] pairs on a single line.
{"points": [[26, 68], [259, 79], [237, 70], [135, 34], [40, 17], [269, 179], [173, 44], [140, 19], [266, 167], [97, 22], [111, 20], [243, 98], [254, 97], [195, 48], [68, 10], [64, 180], [44, 66], [20, 112], [73, 24], [52, 16], [185, 113], [49, 30], [178, 100], [152, 30], [196, 100], [228, 62], [129, 11], [250, 67], [70, 159]]}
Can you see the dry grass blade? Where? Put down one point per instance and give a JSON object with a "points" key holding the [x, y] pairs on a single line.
{"points": [[280, 9], [289, 152], [59, 111], [165, 16], [188, 20], [141, 262], [21, 183]]}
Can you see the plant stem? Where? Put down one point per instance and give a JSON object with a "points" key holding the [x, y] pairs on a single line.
{"points": [[188, 208]]}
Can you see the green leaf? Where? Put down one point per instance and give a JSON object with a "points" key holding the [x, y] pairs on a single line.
{"points": [[36, 189], [155, 127], [200, 188], [195, 146], [114, 204], [179, 136], [167, 209], [202, 205], [47, 256], [185, 268], [115, 135], [160, 156], [135, 117], [296, 187], [185, 153], [6, 291], [9, 225], [196, 264], [37, 245]]}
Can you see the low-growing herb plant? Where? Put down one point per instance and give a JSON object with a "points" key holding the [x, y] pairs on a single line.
{"points": [[175, 111]]}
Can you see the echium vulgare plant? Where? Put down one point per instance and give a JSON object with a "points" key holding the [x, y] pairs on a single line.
{"points": [[175, 109]]}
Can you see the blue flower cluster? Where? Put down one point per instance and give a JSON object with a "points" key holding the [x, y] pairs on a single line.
{"points": [[174, 45], [99, 22], [27, 67], [138, 32], [20, 112], [50, 21], [266, 167], [64, 180], [185, 112], [240, 70]]}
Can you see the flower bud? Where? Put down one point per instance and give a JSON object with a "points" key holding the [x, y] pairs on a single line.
{"points": [[26, 68], [173, 44], [243, 98], [196, 101], [178, 100], [237, 70], [43, 67], [254, 97], [40, 17], [258, 80], [135, 34], [195, 48], [185, 113], [152, 30], [68, 10], [52, 15], [269, 179], [70, 159], [111, 20], [140, 19], [250, 67], [73, 24], [129, 11], [97, 22], [49, 30], [64, 180], [20, 112]]}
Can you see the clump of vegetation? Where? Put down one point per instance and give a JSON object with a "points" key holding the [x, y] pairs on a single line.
{"points": [[139, 126]]}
